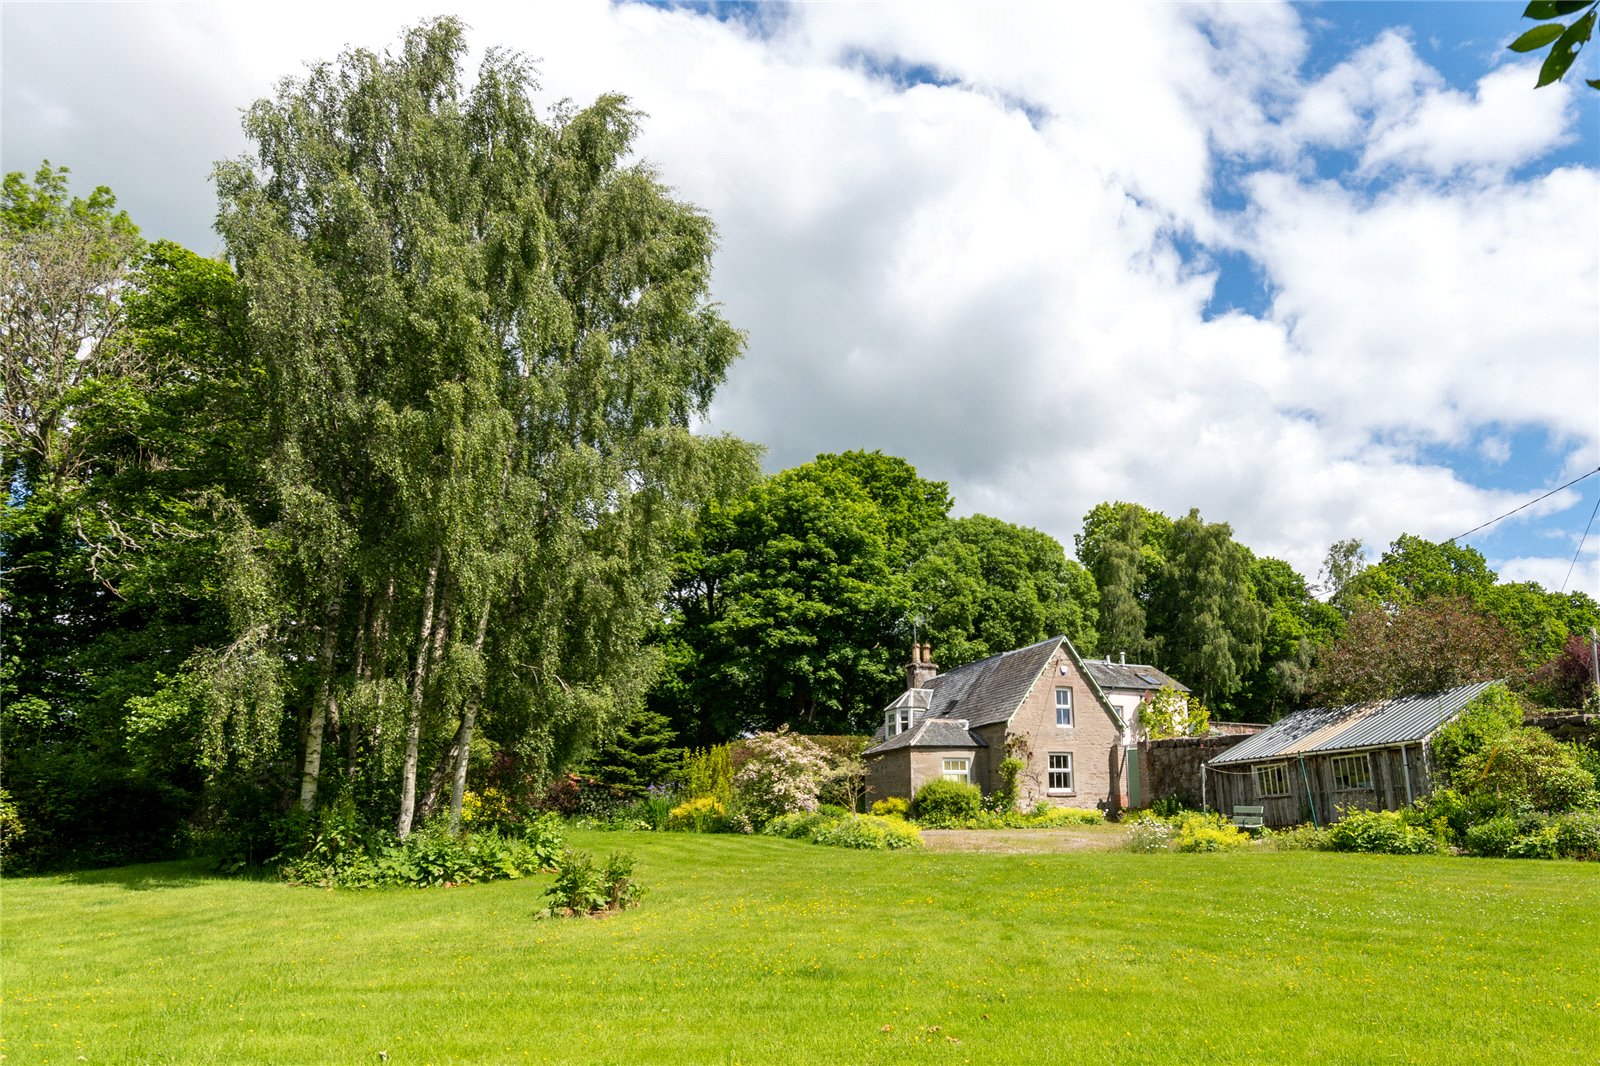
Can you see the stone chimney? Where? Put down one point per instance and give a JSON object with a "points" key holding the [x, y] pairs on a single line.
{"points": [[921, 668]]}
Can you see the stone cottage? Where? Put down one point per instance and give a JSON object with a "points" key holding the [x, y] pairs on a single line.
{"points": [[1042, 704]]}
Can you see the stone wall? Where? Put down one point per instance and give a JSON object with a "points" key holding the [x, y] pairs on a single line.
{"points": [[1172, 767]]}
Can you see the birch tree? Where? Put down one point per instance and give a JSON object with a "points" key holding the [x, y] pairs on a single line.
{"points": [[486, 333]]}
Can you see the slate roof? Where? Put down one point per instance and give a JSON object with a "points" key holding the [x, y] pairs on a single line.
{"points": [[982, 693], [932, 733], [1406, 720], [990, 690], [1136, 676]]}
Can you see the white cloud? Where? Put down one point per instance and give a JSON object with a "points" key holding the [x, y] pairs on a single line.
{"points": [[927, 271]]}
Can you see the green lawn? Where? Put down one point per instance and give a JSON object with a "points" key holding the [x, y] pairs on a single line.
{"points": [[760, 950]]}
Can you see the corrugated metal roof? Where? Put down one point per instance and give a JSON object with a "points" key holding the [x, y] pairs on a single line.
{"points": [[1362, 725]]}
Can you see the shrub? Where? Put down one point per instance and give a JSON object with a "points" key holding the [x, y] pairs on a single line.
{"points": [[1492, 838], [893, 807], [1004, 797], [1298, 838], [782, 773], [1527, 766], [1170, 713], [703, 815], [833, 810], [1209, 832], [1168, 807], [1488, 718], [11, 827], [340, 853], [870, 832], [1578, 835], [1049, 816], [946, 802], [1381, 832], [582, 888], [708, 772], [1539, 844], [1146, 832], [798, 825]]}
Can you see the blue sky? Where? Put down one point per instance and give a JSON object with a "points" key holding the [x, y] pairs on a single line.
{"points": [[1321, 270]]}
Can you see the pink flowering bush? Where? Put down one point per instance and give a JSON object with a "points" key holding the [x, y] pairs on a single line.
{"points": [[782, 774]]}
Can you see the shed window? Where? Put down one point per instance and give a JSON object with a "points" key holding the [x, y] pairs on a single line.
{"points": [[1272, 779], [1060, 771], [1352, 772], [956, 770], [1063, 707]]}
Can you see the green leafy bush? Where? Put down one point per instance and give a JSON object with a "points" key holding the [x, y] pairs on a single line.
{"points": [[1380, 832], [582, 888], [870, 832], [340, 853], [897, 806], [708, 772], [705, 814], [1209, 832], [797, 825], [1297, 838], [1541, 843], [11, 827], [782, 772], [946, 802], [1492, 838], [1578, 835], [1004, 797]]}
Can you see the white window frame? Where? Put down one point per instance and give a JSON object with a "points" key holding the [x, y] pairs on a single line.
{"points": [[1063, 706], [1051, 770], [1272, 771], [962, 770], [1352, 773]]}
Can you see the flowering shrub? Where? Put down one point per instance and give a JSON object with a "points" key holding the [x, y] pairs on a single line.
{"points": [[782, 773], [892, 807], [1209, 832], [708, 772], [703, 815], [869, 832], [1578, 835], [1146, 832]]}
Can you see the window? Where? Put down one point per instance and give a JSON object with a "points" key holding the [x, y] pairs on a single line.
{"points": [[1272, 780], [956, 770], [1063, 707], [1352, 772], [1060, 771]]}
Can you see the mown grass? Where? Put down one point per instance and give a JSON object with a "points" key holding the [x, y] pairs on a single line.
{"points": [[755, 950]]}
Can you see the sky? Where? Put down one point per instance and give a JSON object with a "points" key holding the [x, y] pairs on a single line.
{"points": [[1318, 270]]}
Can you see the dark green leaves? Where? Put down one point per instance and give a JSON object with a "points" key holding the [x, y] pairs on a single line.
{"points": [[1565, 50], [1565, 41], [1551, 9]]}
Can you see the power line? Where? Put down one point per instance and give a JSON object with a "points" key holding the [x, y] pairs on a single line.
{"points": [[1527, 505], [1580, 543]]}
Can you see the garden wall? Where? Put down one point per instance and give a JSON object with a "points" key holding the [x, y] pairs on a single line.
{"points": [[1172, 767]]}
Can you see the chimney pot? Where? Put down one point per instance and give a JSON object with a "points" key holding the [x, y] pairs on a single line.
{"points": [[1124, 658]]}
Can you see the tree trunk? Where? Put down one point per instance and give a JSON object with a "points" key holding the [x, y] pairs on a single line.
{"points": [[468, 717], [408, 772], [311, 766]]}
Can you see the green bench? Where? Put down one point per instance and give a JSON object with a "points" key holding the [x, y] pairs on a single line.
{"points": [[1249, 817]]}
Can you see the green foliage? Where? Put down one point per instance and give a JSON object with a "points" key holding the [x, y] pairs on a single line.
{"points": [[940, 802], [1209, 832], [582, 888], [1564, 40], [1528, 767], [1297, 838], [704, 814], [983, 586], [892, 806], [1577, 835], [1004, 797], [1383, 832], [1211, 621], [1491, 717], [638, 756], [12, 828], [708, 772], [1492, 838], [868, 832], [338, 850], [1171, 713]]}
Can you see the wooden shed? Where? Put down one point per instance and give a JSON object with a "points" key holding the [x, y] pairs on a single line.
{"points": [[1312, 764]]}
